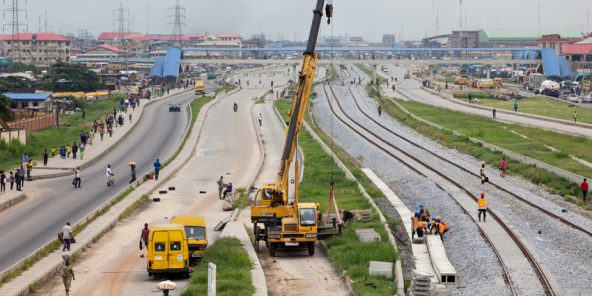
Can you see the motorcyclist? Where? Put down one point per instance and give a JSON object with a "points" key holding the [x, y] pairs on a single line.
{"points": [[235, 107], [109, 174]]}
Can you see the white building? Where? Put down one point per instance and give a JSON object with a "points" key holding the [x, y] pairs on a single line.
{"points": [[40, 49]]}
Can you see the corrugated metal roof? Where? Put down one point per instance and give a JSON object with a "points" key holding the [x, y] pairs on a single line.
{"points": [[550, 63], [577, 49], [157, 67], [525, 35], [172, 60], [27, 96]]}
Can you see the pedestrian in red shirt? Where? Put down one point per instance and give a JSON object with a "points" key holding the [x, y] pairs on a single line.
{"points": [[584, 187], [144, 238], [503, 168]]}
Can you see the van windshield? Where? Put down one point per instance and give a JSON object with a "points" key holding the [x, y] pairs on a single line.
{"points": [[308, 217], [195, 232]]}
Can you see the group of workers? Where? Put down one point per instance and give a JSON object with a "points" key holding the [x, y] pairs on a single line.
{"points": [[423, 223]]}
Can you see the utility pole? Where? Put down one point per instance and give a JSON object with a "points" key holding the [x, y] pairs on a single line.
{"points": [[147, 16], [121, 17], [179, 21], [15, 11], [46, 31]]}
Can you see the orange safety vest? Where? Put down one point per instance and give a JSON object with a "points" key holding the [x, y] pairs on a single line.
{"points": [[444, 225], [482, 203]]}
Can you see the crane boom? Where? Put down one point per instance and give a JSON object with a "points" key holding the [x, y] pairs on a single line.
{"points": [[305, 79]]}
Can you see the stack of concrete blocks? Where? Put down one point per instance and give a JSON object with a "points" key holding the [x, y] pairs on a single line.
{"points": [[367, 235], [363, 215], [380, 268], [422, 284]]}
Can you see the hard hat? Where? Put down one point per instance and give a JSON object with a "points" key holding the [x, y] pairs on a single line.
{"points": [[425, 215], [482, 194], [438, 220], [421, 206], [416, 212]]}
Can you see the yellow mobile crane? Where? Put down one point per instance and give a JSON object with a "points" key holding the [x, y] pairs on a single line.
{"points": [[292, 224]]}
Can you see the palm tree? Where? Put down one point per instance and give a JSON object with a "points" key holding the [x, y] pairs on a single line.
{"points": [[5, 111]]}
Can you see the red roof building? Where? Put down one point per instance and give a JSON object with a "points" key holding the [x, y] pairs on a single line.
{"points": [[110, 36], [39, 49], [576, 49], [50, 37]]}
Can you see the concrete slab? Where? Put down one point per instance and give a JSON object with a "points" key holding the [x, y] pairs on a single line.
{"points": [[367, 235], [379, 268]]}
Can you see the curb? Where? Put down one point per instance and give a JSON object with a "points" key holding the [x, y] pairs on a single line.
{"points": [[260, 147], [12, 201], [114, 216]]}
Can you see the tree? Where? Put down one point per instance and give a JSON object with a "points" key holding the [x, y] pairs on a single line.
{"points": [[5, 111], [64, 77]]}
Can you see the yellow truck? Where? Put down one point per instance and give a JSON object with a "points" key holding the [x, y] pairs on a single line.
{"points": [[498, 81], [462, 80], [195, 230], [485, 83], [168, 252], [199, 87]]}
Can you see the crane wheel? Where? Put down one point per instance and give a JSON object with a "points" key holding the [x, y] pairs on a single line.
{"points": [[311, 249]]}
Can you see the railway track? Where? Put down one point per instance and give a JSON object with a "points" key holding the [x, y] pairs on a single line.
{"points": [[380, 143]]}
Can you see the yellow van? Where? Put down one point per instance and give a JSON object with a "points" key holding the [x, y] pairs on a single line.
{"points": [[167, 250], [197, 238], [485, 83]]}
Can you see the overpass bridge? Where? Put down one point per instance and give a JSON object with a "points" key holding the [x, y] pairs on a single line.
{"points": [[196, 61]]}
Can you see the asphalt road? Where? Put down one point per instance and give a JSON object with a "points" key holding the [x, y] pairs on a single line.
{"points": [[30, 225]]}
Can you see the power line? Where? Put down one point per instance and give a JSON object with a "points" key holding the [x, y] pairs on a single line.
{"points": [[179, 20], [15, 24], [121, 17]]}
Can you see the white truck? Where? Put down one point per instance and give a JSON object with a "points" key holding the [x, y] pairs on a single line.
{"points": [[534, 81], [549, 88]]}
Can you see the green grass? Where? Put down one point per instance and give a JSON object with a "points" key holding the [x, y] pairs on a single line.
{"points": [[243, 200], [554, 183], [370, 72], [233, 270], [68, 132], [345, 252], [225, 88], [542, 106]]}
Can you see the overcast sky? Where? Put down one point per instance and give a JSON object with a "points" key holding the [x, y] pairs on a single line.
{"points": [[409, 19]]}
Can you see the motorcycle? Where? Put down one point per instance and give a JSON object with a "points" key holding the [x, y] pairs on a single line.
{"points": [[235, 107]]}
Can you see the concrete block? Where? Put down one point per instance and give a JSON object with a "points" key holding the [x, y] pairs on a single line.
{"points": [[367, 235], [379, 268]]}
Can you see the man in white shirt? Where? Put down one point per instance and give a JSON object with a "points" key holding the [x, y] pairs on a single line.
{"points": [[66, 236], [260, 119], [109, 175], [77, 180]]}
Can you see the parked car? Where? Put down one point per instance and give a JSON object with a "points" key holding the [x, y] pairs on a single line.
{"points": [[587, 98], [564, 95], [573, 98], [174, 107]]}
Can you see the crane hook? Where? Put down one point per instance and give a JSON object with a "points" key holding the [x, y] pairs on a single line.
{"points": [[329, 12]]}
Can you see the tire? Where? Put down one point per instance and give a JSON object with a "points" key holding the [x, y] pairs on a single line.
{"points": [[272, 249], [311, 249]]}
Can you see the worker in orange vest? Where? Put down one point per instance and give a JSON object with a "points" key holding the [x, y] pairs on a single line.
{"points": [[482, 206], [347, 216], [414, 224], [424, 214]]}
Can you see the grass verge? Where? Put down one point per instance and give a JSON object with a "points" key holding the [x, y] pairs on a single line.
{"points": [[243, 200], [68, 132], [541, 106], [225, 88], [555, 184], [345, 252], [233, 270]]}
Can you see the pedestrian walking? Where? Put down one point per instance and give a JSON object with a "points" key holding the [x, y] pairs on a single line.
{"points": [[584, 187], [53, 151], [82, 148], [470, 96], [575, 116], [2, 181], [482, 206], [130, 118], [494, 111], [77, 180], [18, 179], [66, 236], [74, 150], [414, 224], [45, 157], [515, 105], [503, 168], [68, 150], [95, 126], [260, 117], [101, 131], [29, 169], [11, 179], [133, 171], [67, 274], [144, 234], [156, 169], [221, 186], [482, 174]]}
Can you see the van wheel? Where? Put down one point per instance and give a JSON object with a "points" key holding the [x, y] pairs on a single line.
{"points": [[311, 249], [272, 249], [150, 274]]}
